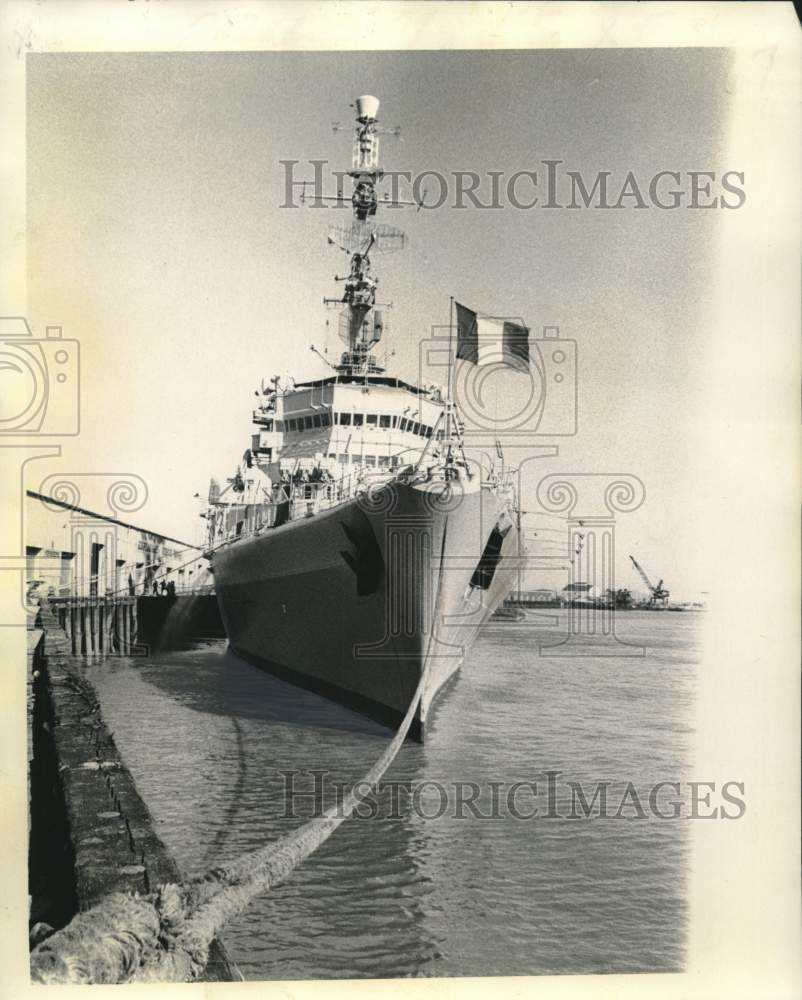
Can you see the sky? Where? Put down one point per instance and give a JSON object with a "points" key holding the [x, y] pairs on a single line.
{"points": [[156, 237]]}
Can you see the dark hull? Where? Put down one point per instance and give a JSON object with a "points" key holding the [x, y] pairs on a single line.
{"points": [[354, 602]]}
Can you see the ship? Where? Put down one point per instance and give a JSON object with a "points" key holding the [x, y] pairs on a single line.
{"points": [[356, 546]]}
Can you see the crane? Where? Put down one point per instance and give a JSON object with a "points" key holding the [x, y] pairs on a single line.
{"points": [[658, 594]]}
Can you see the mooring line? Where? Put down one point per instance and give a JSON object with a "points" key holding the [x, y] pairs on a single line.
{"points": [[234, 804], [165, 936]]}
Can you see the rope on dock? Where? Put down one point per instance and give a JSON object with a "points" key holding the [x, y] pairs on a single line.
{"points": [[165, 936]]}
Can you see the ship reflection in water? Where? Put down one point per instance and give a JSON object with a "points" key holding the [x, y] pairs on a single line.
{"points": [[206, 737]]}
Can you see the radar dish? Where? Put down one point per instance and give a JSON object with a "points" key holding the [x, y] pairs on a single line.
{"points": [[360, 326], [367, 237]]}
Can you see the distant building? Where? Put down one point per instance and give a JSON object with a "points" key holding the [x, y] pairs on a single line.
{"points": [[78, 552], [580, 593], [529, 598]]}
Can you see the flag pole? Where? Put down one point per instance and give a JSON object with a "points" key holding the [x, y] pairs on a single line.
{"points": [[450, 376]]}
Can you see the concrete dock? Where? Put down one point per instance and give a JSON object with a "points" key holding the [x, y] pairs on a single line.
{"points": [[91, 832]]}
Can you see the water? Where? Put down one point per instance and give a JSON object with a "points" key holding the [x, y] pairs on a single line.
{"points": [[206, 735]]}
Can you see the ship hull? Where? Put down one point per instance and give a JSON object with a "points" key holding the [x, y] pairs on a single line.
{"points": [[357, 601]]}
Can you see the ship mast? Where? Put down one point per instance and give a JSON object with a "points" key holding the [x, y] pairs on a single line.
{"points": [[361, 318]]}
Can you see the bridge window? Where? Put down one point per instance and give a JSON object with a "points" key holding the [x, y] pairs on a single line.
{"points": [[291, 424], [395, 422], [342, 459], [372, 419], [427, 431], [384, 461], [384, 420], [370, 460], [325, 418], [307, 422], [358, 419], [345, 419], [416, 428], [316, 420], [403, 423]]}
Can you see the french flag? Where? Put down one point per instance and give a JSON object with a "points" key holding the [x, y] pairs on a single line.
{"points": [[485, 340]]}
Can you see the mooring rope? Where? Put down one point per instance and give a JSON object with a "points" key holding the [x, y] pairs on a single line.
{"points": [[165, 936]]}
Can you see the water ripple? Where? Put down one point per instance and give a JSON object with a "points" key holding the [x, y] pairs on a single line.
{"points": [[207, 737]]}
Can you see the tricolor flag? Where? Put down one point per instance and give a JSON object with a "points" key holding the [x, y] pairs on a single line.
{"points": [[484, 340]]}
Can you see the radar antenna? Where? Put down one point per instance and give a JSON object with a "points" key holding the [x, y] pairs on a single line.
{"points": [[359, 237], [361, 323]]}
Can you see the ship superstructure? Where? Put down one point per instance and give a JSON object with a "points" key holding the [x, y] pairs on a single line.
{"points": [[355, 543]]}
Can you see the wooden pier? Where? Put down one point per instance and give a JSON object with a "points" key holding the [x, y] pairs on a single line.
{"points": [[98, 626], [128, 625]]}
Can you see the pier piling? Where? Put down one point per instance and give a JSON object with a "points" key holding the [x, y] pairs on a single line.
{"points": [[101, 627], [85, 644], [96, 627]]}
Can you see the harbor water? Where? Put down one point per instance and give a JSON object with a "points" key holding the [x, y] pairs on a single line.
{"points": [[422, 884]]}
